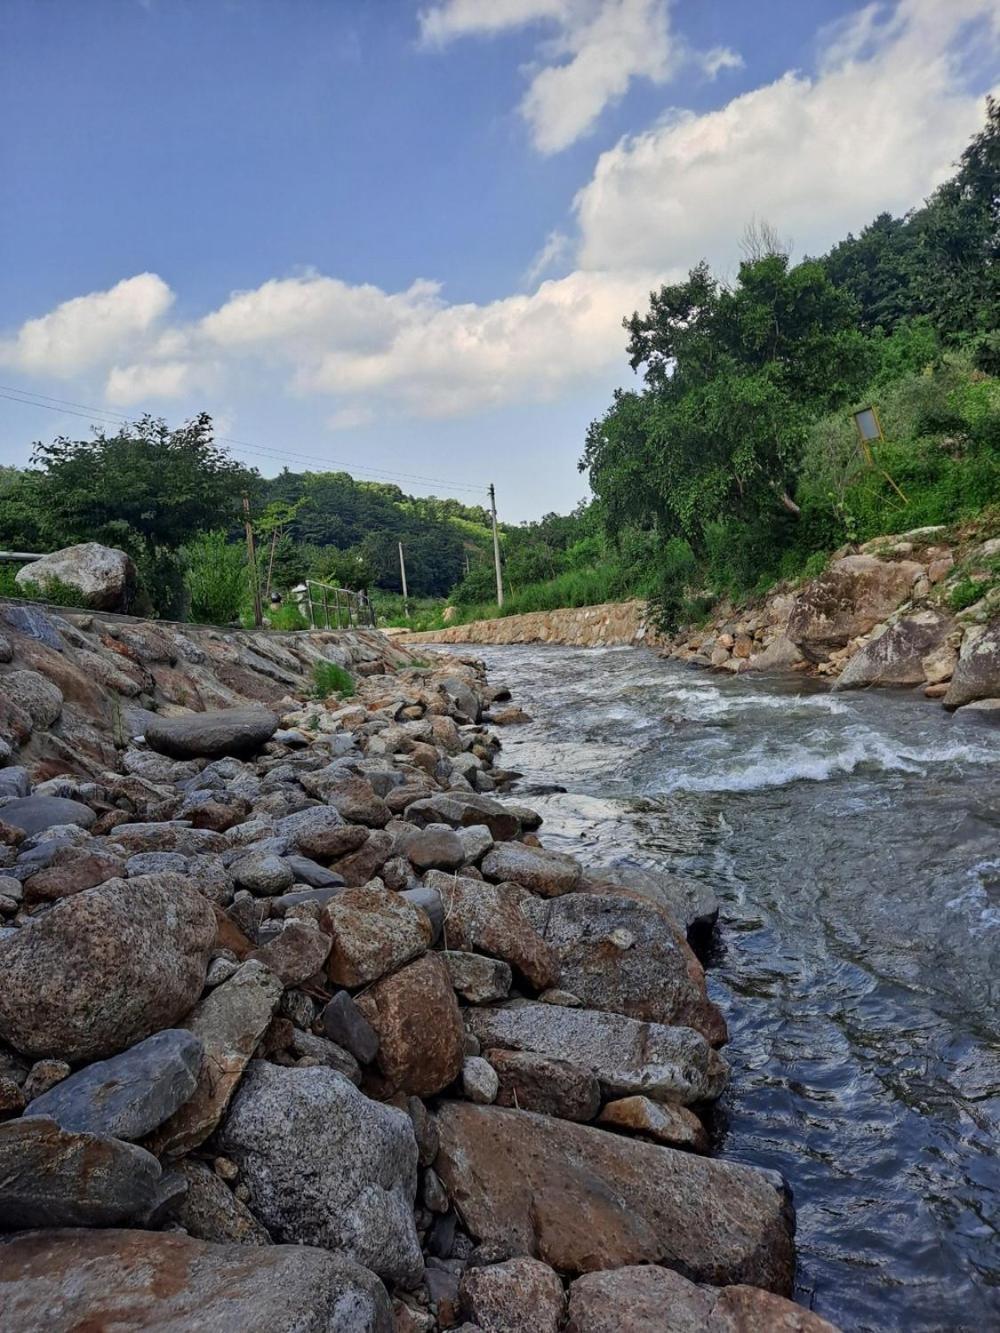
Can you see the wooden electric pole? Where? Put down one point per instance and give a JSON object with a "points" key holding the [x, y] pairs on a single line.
{"points": [[402, 575], [496, 545], [258, 610]]}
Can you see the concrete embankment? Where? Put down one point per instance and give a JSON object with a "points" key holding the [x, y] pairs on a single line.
{"points": [[607, 625]]}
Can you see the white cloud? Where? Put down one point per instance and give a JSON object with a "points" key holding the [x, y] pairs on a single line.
{"points": [[84, 331], [876, 129], [599, 48], [556, 249], [713, 62], [351, 418], [137, 383]]}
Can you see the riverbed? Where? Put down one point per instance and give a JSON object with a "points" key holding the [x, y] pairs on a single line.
{"points": [[853, 841]]}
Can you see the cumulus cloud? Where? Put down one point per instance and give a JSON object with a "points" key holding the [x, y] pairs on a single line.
{"points": [[84, 331], [141, 381], [599, 48], [877, 128]]}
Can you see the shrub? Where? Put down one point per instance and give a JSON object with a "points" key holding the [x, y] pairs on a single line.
{"points": [[286, 617], [330, 678], [217, 578]]}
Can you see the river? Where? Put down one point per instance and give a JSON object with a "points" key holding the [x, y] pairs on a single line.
{"points": [[854, 843]]}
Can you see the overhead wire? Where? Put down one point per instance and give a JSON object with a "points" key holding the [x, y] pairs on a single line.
{"points": [[68, 407]]}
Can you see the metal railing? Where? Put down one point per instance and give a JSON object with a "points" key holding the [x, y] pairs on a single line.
{"points": [[329, 607]]}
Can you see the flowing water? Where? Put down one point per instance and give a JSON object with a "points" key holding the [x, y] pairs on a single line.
{"points": [[854, 843]]}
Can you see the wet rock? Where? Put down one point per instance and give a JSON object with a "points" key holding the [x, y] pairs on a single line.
{"points": [[691, 903], [488, 918], [477, 979], [519, 1296], [101, 970], [50, 1177], [419, 1027], [637, 1297], [325, 1166], [239, 732], [665, 1063], [627, 957], [143, 1279], [71, 870], [896, 657], [209, 1210], [675, 1126], [35, 695], [374, 931], [977, 672], [264, 874], [851, 597], [543, 1083], [229, 1022], [546, 873], [479, 1080], [344, 1023], [132, 1093], [35, 814], [529, 1184], [104, 577], [295, 953]]}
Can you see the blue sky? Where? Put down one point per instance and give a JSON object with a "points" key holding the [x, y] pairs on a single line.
{"points": [[401, 237]]}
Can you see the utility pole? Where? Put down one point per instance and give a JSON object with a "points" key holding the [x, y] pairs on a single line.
{"points": [[258, 611], [496, 545], [402, 575]]}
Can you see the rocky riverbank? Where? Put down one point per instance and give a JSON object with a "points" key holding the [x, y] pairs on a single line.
{"points": [[303, 1028], [879, 614]]}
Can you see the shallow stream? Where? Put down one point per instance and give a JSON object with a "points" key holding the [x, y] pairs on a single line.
{"points": [[854, 843]]}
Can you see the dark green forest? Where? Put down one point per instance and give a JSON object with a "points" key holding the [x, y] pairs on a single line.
{"points": [[732, 462]]}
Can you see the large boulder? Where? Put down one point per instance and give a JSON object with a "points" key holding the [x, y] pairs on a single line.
{"points": [[691, 903], [130, 1094], [637, 1297], [51, 1177], [490, 919], [228, 1024], [850, 598], [418, 1024], [628, 957], [977, 673], [626, 1056], [143, 1279], [581, 1199], [897, 656], [325, 1166], [34, 695], [238, 732], [104, 577], [103, 969]]}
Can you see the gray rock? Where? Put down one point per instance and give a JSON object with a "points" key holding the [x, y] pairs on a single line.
{"points": [[312, 1050], [156, 863], [520, 1296], [149, 1280], [104, 577], [546, 873], [106, 967], [326, 1166], [35, 814], [239, 732], [664, 1063], [479, 1080], [14, 782], [977, 673], [36, 624], [476, 841], [310, 872], [896, 656], [130, 1094], [263, 874], [464, 699], [429, 902], [50, 1177], [6, 649], [464, 809], [35, 695], [209, 1210], [344, 1023], [434, 849], [477, 979], [490, 919], [691, 903]]}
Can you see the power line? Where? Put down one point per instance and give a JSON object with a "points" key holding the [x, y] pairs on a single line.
{"points": [[67, 407]]}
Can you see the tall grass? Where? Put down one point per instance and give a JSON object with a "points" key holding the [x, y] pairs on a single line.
{"points": [[217, 578]]}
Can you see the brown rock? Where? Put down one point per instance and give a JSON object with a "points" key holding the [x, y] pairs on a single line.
{"points": [[419, 1026], [477, 979], [435, 849], [374, 931], [296, 953], [519, 1296], [547, 873], [675, 1126], [488, 918], [543, 1083], [896, 657], [581, 1199], [364, 864], [849, 599], [230, 1021], [637, 1298], [103, 969], [71, 870], [209, 1210]]}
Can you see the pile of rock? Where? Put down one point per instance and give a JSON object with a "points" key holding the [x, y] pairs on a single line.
{"points": [[877, 615], [303, 1028]]}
